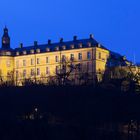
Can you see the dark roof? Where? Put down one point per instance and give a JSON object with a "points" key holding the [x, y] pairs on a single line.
{"points": [[68, 44]]}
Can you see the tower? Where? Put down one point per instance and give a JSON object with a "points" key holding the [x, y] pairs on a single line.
{"points": [[5, 39]]}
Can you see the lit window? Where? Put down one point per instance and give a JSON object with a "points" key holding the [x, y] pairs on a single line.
{"points": [[47, 59], [17, 53], [72, 46], [8, 53], [47, 70], [24, 52], [80, 56], [8, 63], [32, 61], [24, 73], [72, 57], [80, 45], [64, 47], [38, 71], [47, 49], [32, 51], [88, 55], [56, 58], [38, 61], [32, 72], [38, 50], [57, 48], [24, 63]]}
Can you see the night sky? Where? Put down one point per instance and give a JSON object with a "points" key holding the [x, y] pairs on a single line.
{"points": [[114, 23]]}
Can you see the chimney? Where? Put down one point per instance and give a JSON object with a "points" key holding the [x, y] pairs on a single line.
{"points": [[91, 36], [49, 42], [21, 45], [35, 43], [61, 40], [75, 38]]}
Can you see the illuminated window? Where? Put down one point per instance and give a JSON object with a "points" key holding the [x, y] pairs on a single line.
{"points": [[38, 71], [56, 58], [38, 50], [72, 57], [47, 49], [63, 47], [24, 63], [32, 51], [32, 61], [8, 63], [24, 73], [47, 70], [47, 59], [80, 56], [72, 46], [24, 52], [8, 53], [88, 55], [38, 61], [17, 53], [57, 48], [80, 45]]}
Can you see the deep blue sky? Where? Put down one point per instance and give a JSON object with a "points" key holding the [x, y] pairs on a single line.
{"points": [[114, 23]]}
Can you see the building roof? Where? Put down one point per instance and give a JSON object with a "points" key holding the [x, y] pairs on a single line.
{"points": [[52, 46]]}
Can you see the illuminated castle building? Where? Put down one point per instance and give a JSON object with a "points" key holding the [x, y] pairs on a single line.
{"points": [[43, 61]]}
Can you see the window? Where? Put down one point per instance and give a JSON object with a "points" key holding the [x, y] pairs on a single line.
{"points": [[24, 63], [64, 68], [38, 50], [56, 59], [80, 67], [88, 55], [88, 64], [32, 61], [38, 71], [32, 51], [8, 63], [63, 58], [17, 64], [80, 56], [99, 55], [24, 73], [38, 61], [72, 57], [32, 72], [57, 69], [17, 53], [24, 52], [47, 59], [17, 74], [47, 70], [8, 53]]}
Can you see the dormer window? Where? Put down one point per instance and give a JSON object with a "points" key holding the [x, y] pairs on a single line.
{"points": [[32, 51], [80, 45], [38, 50], [24, 52], [57, 48], [64, 47], [47, 49], [17, 53], [89, 44], [72, 46], [8, 53]]}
